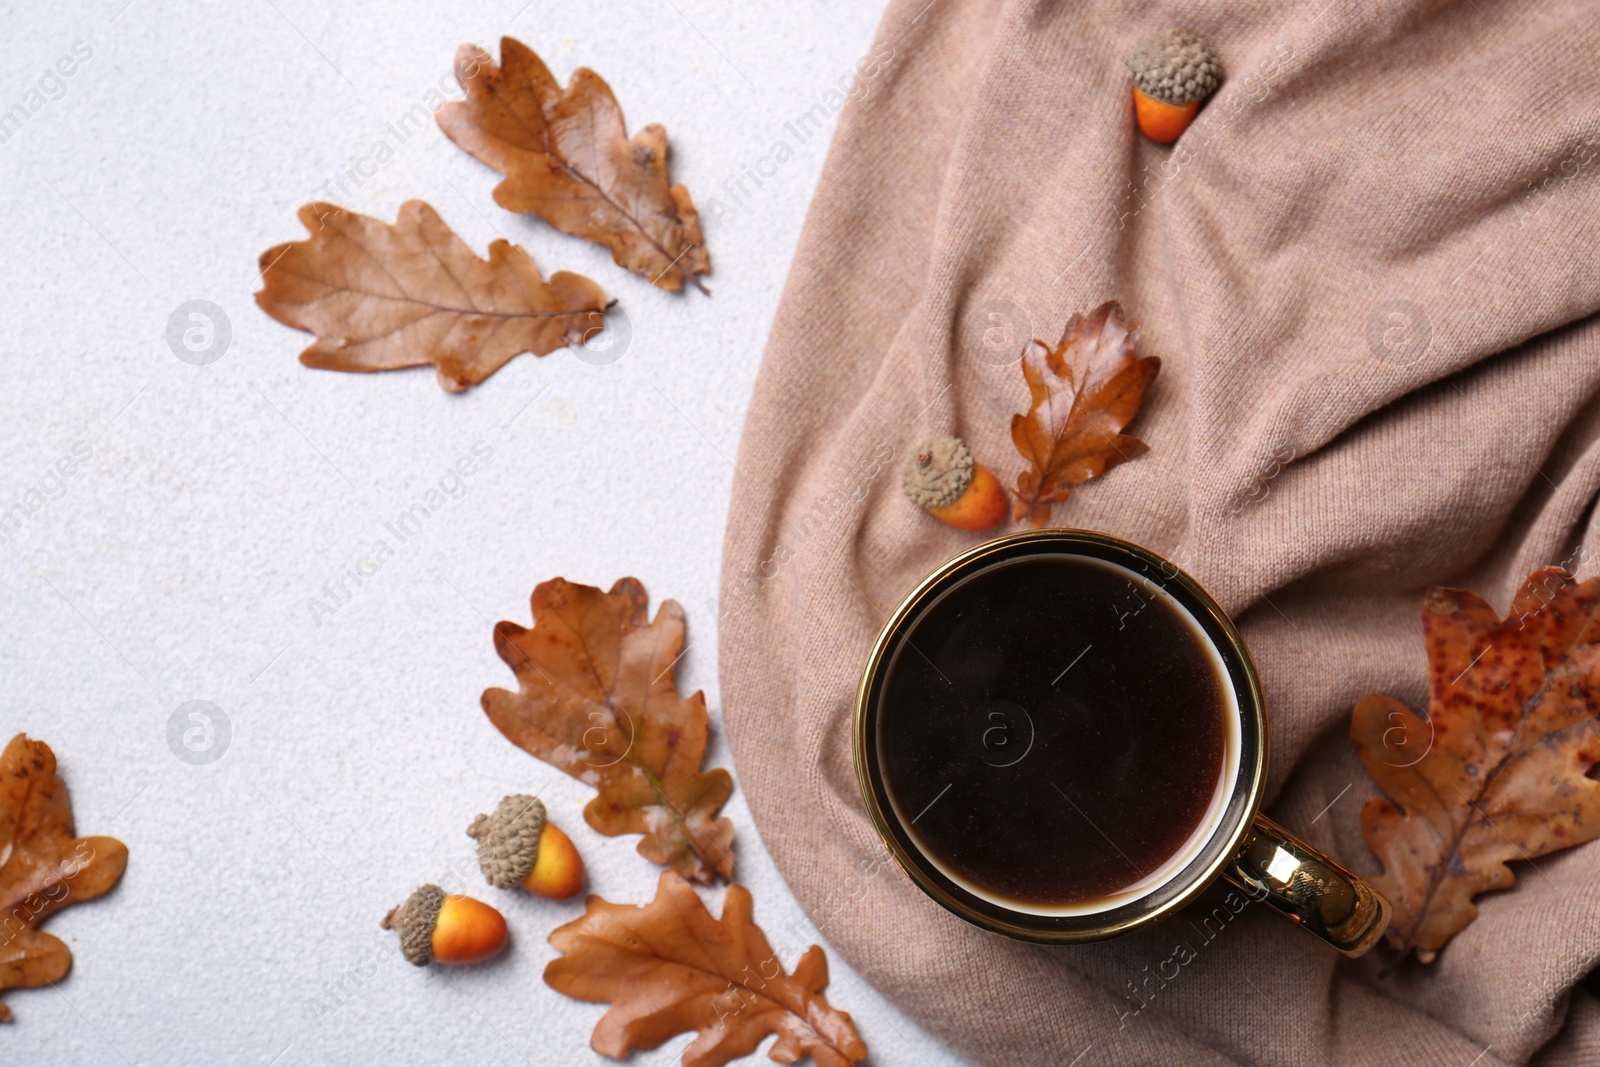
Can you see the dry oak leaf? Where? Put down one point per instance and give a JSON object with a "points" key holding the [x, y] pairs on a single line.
{"points": [[597, 700], [566, 158], [381, 297], [668, 968], [43, 867], [1084, 391], [1497, 770]]}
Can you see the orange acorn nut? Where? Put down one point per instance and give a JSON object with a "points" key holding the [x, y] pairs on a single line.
{"points": [[943, 478], [436, 927], [1163, 123], [1173, 73], [519, 845]]}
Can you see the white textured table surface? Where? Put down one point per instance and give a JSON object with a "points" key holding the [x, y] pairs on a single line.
{"points": [[210, 505]]}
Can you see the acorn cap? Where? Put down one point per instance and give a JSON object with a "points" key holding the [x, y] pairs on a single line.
{"points": [[1175, 67], [414, 921], [939, 472], [508, 840]]}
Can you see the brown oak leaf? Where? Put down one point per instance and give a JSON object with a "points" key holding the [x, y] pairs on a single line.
{"points": [[598, 701], [566, 158], [1084, 391], [380, 297], [668, 968], [43, 867], [1497, 769]]}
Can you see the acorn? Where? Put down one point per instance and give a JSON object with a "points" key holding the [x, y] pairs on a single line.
{"points": [[436, 927], [954, 488], [519, 845], [1173, 73]]}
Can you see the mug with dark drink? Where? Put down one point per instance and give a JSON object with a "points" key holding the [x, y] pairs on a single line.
{"points": [[1061, 737]]}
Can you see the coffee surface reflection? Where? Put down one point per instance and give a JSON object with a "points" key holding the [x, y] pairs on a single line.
{"points": [[1054, 730]]}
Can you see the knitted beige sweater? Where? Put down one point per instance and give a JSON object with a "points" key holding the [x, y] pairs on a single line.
{"points": [[1370, 270]]}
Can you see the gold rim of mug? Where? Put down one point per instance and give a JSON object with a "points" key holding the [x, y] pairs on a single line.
{"points": [[1022, 925]]}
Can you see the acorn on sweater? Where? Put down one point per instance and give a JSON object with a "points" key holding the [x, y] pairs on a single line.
{"points": [[1173, 73], [954, 488]]}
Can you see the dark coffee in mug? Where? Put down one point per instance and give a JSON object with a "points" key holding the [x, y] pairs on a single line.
{"points": [[1057, 734]]}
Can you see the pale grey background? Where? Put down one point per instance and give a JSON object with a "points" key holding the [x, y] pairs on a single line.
{"points": [[179, 561]]}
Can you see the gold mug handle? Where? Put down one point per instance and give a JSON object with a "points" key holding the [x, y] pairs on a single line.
{"points": [[1276, 867]]}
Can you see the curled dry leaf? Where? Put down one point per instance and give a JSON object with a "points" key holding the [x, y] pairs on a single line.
{"points": [[43, 867], [597, 700], [1084, 391], [566, 158], [668, 968], [1497, 770], [380, 297]]}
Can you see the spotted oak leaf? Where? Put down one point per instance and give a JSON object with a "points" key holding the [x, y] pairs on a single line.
{"points": [[598, 701], [669, 968], [381, 296], [43, 867], [1497, 770], [567, 158], [1084, 391]]}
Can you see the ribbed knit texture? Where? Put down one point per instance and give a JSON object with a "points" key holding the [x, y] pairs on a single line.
{"points": [[1370, 268]]}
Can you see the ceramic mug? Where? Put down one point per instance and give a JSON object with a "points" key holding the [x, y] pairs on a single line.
{"points": [[956, 733]]}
